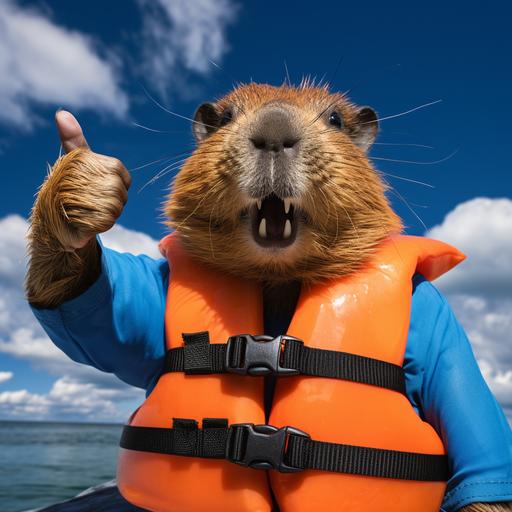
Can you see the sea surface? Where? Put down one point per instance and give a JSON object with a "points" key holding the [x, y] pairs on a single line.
{"points": [[44, 463]]}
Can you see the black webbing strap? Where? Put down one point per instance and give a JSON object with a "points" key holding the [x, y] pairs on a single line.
{"points": [[285, 355], [359, 460], [185, 438], [342, 365], [284, 449], [197, 357]]}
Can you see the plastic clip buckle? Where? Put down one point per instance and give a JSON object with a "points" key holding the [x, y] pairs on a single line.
{"points": [[261, 446], [258, 355]]}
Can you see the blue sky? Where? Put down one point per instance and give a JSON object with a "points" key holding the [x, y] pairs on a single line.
{"points": [[394, 56]]}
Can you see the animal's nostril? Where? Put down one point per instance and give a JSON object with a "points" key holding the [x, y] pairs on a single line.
{"points": [[289, 143], [259, 142], [273, 145]]}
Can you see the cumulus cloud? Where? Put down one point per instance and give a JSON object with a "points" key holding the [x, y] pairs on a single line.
{"points": [[482, 228], [80, 392], [480, 289], [68, 399], [47, 64], [21, 403], [5, 376], [183, 34], [127, 240]]}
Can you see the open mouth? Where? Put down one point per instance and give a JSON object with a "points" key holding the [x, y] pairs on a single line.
{"points": [[274, 222]]}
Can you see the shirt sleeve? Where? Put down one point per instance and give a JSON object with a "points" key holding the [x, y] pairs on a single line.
{"points": [[445, 386], [116, 325]]}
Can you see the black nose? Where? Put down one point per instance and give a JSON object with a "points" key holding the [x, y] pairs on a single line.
{"points": [[274, 130]]}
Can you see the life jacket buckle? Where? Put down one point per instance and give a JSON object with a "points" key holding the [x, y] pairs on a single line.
{"points": [[257, 355], [261, 446]]}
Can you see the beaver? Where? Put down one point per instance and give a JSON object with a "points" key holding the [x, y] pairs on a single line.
{"points": [[279, 189]]}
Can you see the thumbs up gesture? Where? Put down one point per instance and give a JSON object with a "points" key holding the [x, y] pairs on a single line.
{"points": [[85, 192]]}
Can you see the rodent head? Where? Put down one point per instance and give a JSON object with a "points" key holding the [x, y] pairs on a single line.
{"points": [[280, 187]]}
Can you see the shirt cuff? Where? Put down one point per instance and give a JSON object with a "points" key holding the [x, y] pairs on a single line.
{"points": [[92, 298], [488, 491]]}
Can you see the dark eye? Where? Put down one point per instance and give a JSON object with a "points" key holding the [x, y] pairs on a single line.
{"points": [[335, 119], [226, 117]]}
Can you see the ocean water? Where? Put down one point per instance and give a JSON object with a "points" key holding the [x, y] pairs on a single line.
{"points": [[44, 463]]}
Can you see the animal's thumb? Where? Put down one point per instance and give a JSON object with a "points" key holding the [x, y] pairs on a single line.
{"points": [[70, 131]]}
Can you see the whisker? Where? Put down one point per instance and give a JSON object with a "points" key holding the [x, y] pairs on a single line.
{"points": [[322, 113], [175, 113], [355, 166], [394, 191], [168, 157], [212, 189], [149, 163], [188, 152], [424, 206], [154, 130], [357, 187], [287, 74], [162, 173], [351, 222], [453, 153], [328, 129], [236, 83], [400, 144], [337, 216], [326, 201], [337, 68], [183, 154], [405, 113], [210, 230], [406, 179], [167, 167]]}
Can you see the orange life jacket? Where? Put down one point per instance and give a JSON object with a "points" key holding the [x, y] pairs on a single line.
{"points": [[366, 314]]}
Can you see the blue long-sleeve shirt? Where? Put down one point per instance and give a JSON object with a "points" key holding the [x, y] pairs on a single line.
{"points": [[117, 326]]}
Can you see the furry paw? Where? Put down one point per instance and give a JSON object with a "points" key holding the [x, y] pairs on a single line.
{"points": [[83, 195], [488, 507]]}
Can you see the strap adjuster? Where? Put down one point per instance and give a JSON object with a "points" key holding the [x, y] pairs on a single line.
{"points": [[257, 355], [261, 446]]}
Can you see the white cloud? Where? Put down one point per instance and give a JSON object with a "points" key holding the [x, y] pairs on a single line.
{"points": [[68, 399], [183, 34], [127, 240], [47, 64], [501, 384], [5, 376], [482, 228], [480, 289], [13, 229], [80, 392], [18, 403]]}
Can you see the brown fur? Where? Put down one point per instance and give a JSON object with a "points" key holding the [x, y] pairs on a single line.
{"points": [[488, 507], [345, 206], [82, 195]]}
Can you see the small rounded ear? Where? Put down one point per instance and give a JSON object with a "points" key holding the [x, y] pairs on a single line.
{"points": [[206, 121], [365, 128]]}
